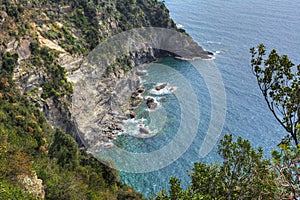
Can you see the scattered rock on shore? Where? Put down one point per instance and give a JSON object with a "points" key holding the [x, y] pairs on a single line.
{"points": [[136, 99]]}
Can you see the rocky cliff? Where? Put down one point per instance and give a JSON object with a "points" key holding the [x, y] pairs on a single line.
{"points": [[53, 40], [54, 53]]}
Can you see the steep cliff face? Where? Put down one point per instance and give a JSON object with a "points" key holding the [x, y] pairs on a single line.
{"points": [[53, 39]]}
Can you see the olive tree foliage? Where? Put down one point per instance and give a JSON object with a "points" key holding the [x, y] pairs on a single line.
{"points": [[279, 80]]}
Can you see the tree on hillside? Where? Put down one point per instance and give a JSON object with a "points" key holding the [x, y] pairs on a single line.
{"points": [[65, 150], [279, 81]]}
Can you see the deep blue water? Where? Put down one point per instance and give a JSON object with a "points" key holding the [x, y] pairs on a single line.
{"points": [[229, 28]]}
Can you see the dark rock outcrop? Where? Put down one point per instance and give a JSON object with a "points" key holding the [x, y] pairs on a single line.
{"points": [[151, 103]]}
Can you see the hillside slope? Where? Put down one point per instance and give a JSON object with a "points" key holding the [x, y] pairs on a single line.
{"points": [[42, 44]]}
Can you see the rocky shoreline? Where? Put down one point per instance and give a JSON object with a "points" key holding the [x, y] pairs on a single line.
{"points": [[110, 109], [115, 120], [118, 94], [106, 93]]}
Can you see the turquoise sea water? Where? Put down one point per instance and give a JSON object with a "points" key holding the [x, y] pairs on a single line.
{"points": [[228, 28]]}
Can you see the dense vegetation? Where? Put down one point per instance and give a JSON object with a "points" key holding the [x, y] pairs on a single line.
{"points": [[85, 23], [76, 26], [29, 145], [244, 173]]}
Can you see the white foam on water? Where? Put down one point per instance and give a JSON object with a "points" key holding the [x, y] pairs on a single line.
{"points": [[166, 90], [131, 126], [180, 26]]}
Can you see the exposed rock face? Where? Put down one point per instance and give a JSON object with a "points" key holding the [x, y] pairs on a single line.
{"points": [[23, 50], [111, 106], [57, 112], [136, 98], [32, 185]]}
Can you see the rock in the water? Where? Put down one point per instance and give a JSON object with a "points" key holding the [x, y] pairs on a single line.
{"points": [[172, 89], [151, 104], [160, 87], [144, 130]]}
